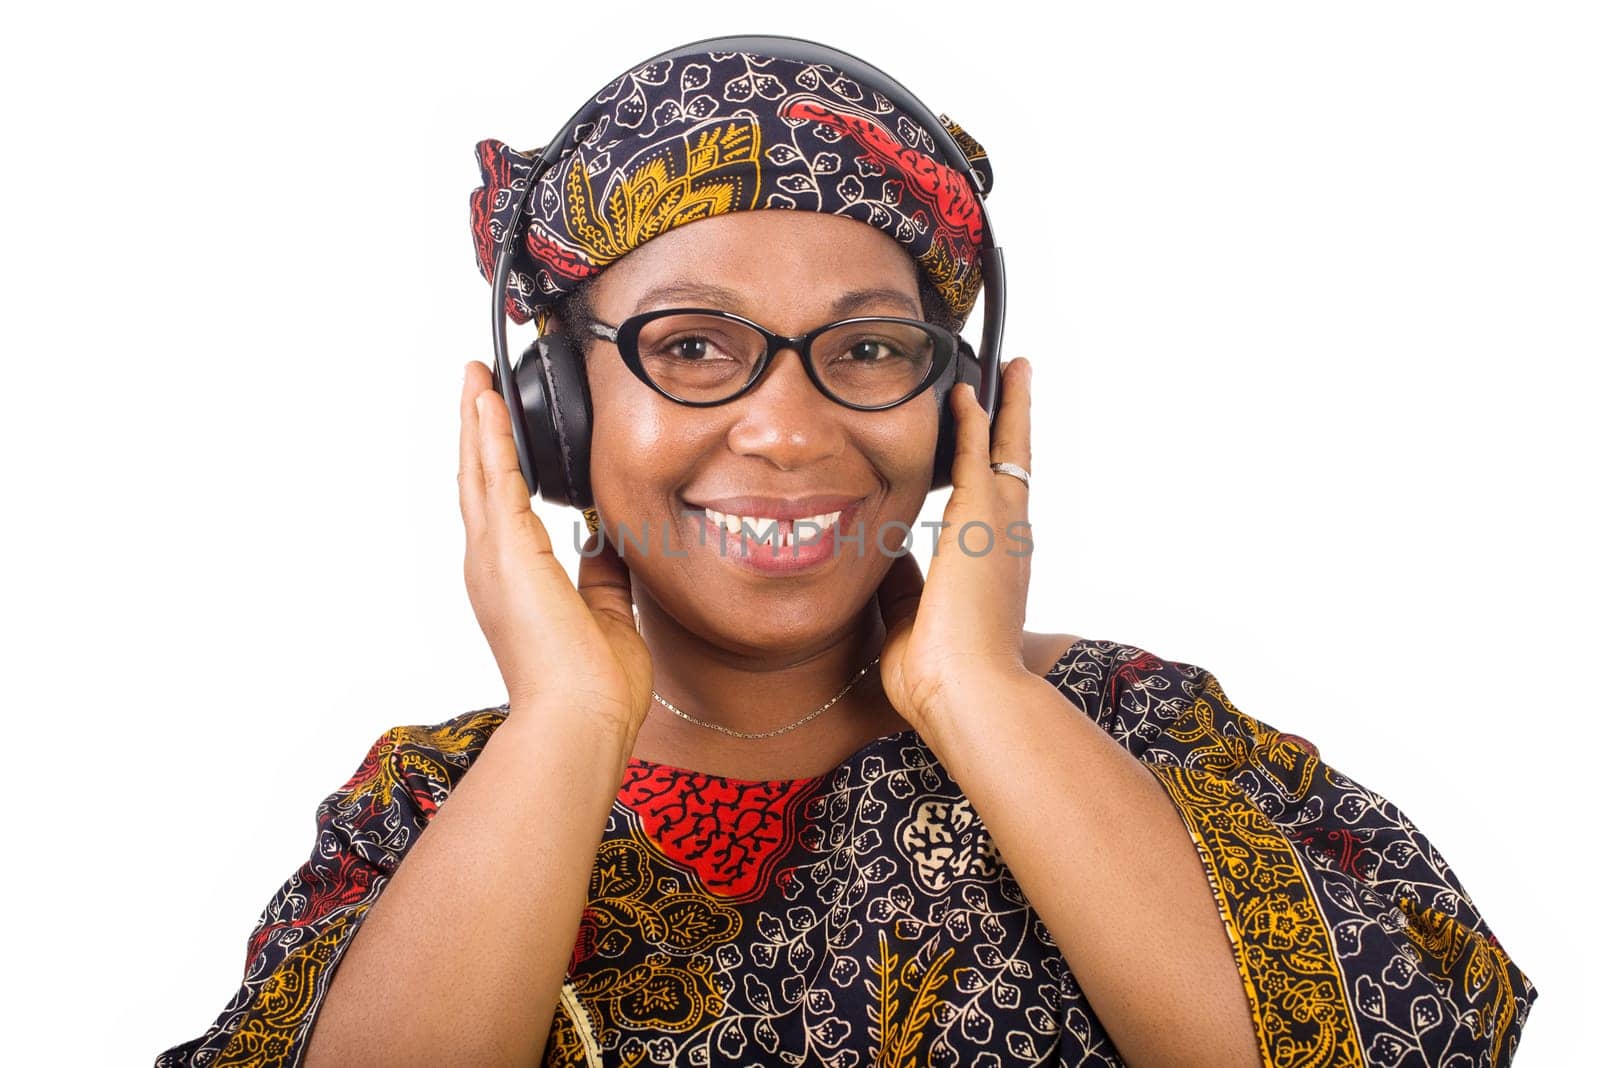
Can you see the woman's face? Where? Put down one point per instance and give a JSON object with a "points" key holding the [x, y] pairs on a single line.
{"points": [[655, 462]]}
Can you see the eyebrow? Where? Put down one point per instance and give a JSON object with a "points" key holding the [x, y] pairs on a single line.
{"points": [[669, 293]]}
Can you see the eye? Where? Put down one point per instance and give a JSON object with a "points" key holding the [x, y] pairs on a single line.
{"points": [[872, 350], [690, 348], [869, 351]]}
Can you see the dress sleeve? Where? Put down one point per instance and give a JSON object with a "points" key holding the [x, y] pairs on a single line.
{"points": [[363, 830], [1356, 942]]}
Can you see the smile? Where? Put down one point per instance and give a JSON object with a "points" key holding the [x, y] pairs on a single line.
{"points": [[759, 527], [773, 545]]}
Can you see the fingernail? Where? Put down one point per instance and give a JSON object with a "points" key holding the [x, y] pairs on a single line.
{"points": [[481, 402]]}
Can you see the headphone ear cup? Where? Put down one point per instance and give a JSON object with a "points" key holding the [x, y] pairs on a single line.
{"points": [[964, 368], [553, 443]]}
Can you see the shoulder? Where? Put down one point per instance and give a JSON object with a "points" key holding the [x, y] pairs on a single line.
{"points": [[1061, 656], [1105, 660], [451, 740], [1042, 652], [1129, 691], [421, 762]]}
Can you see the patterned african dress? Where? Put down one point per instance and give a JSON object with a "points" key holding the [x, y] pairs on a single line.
{"points": [[864, 917]]}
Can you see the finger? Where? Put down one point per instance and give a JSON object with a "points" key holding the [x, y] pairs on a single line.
{"points": [[508, 518], [1012, 439], [603, 578], [469, 471], [900, 592], [969, 470]]}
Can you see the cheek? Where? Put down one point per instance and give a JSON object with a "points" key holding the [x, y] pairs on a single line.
{"points": [[640, 449], [905, 447], [628, 439]]}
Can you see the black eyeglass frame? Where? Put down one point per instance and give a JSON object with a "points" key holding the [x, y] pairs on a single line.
{"points": [[625, 336]]}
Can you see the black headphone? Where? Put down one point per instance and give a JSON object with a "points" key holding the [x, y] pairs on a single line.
{"points": [[551, 415]]}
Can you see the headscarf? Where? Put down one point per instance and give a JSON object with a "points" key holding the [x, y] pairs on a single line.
{"points": [[679, 140]]}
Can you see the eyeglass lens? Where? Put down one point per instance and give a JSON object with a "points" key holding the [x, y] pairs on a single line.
{"points": [[704, 358]]}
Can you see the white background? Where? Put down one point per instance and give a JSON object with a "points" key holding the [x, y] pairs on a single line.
{"points": [[1309, 290]]}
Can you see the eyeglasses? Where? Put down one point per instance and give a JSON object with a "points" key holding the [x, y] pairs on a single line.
{"points": [[703, 357]]}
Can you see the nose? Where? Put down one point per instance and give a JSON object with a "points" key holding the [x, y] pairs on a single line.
{"points": [[786, 419]]}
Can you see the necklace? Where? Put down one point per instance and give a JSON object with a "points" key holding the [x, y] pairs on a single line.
{"points": [[772, 733]]}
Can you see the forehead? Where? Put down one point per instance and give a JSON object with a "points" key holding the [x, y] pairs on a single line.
{"points": [[754, 251]]}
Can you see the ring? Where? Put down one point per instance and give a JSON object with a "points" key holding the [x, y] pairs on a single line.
{"points": [[1012, 470]]}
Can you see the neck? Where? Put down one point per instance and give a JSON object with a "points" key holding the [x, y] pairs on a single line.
{"points": [[755, 688]]}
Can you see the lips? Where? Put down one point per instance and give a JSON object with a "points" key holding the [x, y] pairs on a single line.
{"points": [[775, 550]]}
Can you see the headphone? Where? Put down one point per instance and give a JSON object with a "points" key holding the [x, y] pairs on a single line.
{"points": [[547, 392]]}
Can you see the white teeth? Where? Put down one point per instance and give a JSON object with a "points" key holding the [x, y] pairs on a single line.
{"points": [[760, 525]]}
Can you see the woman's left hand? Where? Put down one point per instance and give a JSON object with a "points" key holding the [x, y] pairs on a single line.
{"points": [[959, 634]]}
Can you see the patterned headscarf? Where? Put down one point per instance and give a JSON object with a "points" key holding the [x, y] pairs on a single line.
{"points": [[679, 140]]}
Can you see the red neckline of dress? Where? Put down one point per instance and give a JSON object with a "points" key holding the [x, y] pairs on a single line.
{"points": [[676, 772]]}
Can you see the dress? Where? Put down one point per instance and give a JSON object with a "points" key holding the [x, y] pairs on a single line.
{"points": [[864, 917]]}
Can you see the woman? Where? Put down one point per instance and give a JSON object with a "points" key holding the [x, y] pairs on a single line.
{"points": [[718, 819]]}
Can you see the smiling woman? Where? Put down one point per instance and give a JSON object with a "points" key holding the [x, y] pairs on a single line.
{"points": [[764, 794]]}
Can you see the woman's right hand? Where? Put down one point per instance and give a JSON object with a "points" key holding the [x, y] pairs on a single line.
{"points": [[552, 641]]}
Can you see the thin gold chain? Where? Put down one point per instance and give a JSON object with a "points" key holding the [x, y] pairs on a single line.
{"points": [[777, 731]]}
